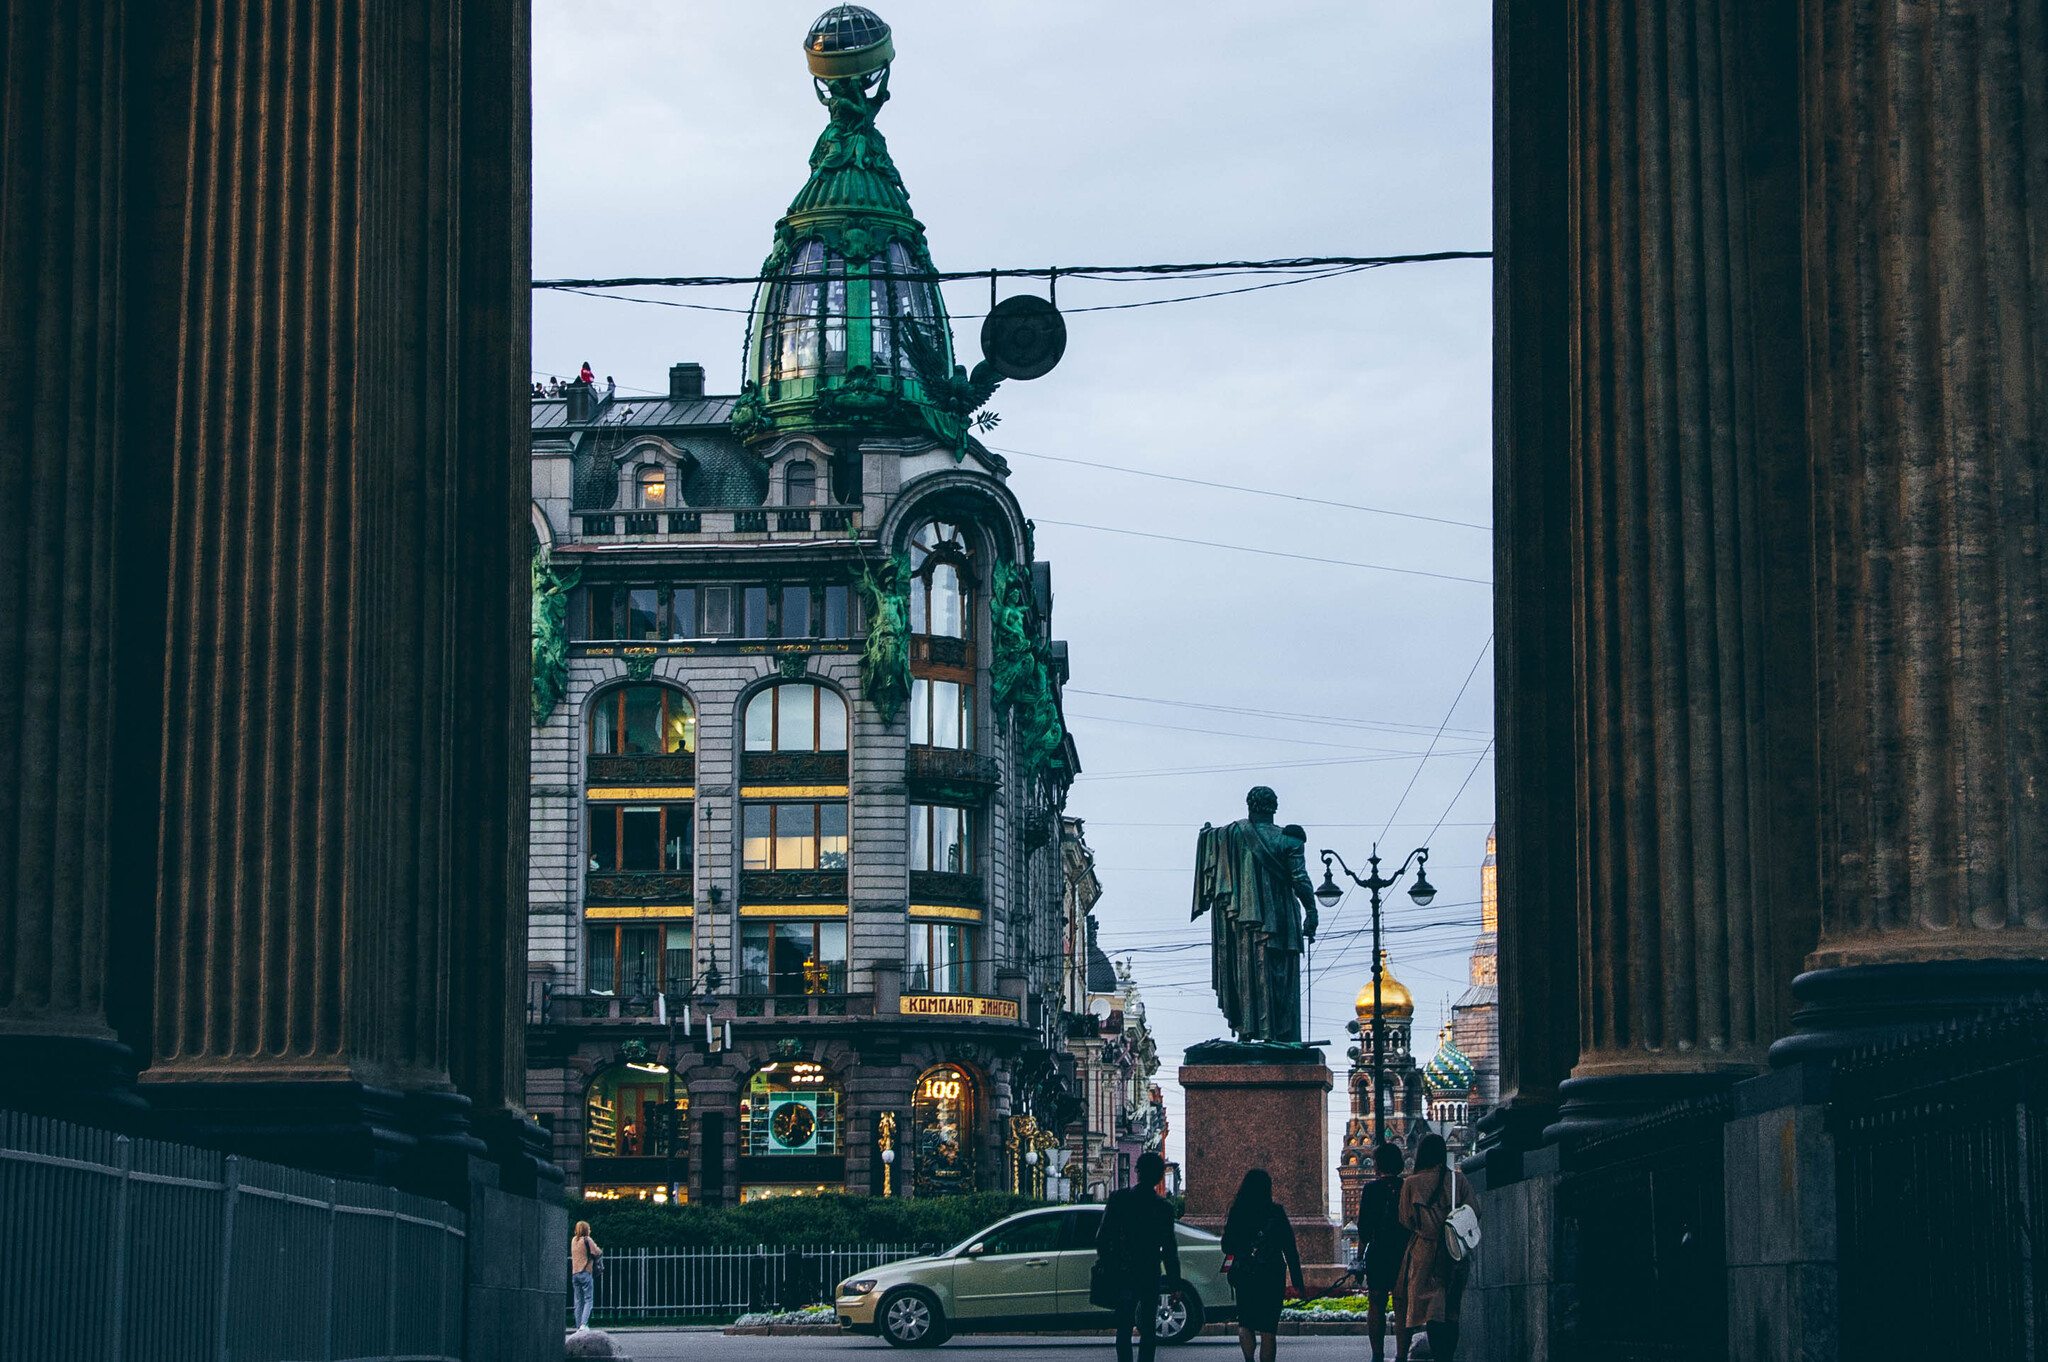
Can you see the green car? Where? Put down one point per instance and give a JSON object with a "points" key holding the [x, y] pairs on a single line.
{"points": [[1027, 1272]]}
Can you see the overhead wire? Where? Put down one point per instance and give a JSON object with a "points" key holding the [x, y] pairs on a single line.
{"points": [[1271, 553], [1102, 273], [1238, 487]]}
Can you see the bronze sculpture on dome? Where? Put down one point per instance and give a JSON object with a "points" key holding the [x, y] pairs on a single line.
{"points": [[1251, 877]]}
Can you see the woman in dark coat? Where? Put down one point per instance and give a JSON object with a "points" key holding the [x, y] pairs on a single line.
{"points": [[1384, 1240], [1259, 1251], [1431, 1281]]}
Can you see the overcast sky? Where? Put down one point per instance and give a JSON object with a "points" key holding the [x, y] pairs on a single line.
{"points": [[668, 137]]}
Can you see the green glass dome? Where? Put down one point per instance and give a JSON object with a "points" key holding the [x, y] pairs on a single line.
{"points": [[1448, 1071], [844, 334]]}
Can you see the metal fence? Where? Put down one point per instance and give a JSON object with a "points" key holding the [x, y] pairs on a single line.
{"points": [[1643, 1238], [123, 1250], [1941, 1161], [681, 1283]]}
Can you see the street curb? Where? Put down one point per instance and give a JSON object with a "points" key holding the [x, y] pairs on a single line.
{"points": [[1289, 1328]]}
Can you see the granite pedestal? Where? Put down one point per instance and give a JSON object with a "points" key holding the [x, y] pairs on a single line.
{"points": [[1270, 1115]]}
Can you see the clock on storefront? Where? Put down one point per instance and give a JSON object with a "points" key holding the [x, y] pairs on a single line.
{"points": [[794, 1125]]}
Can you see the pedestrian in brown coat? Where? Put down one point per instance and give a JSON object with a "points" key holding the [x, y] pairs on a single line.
{"points": [[1431, 1280]]}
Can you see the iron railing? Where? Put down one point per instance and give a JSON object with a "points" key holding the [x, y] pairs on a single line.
{"points": [[147, 1251], [684, 1283], [1643, 1238], [1941, 1148]]}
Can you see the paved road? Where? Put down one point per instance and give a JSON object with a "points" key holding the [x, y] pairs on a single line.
{"points": [[672, 1345]]}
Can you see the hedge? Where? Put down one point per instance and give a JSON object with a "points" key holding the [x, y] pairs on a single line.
{"points": [[943, 1220]]}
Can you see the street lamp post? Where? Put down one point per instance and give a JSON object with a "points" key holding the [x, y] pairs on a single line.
{"points": [[1422, 891]]}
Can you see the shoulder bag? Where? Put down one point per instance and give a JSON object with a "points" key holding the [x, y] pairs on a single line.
{"points": [[1461, 1226]]}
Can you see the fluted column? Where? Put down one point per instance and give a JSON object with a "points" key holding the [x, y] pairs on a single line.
{"points": [[1925, 132], [61, 112], [340, 924], [1674, 504], [1533, 605]]}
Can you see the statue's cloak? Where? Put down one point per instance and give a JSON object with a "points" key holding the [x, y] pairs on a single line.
{"points": [[1251, 879]]}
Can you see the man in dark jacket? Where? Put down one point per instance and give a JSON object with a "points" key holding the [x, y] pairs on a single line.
{"points": [[1135, 1248]]}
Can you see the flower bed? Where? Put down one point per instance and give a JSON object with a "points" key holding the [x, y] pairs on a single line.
{"points": [[816, 1314]]}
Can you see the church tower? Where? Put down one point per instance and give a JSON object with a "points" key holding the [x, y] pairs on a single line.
{"points": [[1404, 1104]]}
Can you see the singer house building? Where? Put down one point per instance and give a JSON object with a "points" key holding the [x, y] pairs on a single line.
{"points": [[798, 756]]}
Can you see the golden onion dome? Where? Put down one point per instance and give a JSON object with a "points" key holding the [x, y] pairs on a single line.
{"points": [[1396, 998]]}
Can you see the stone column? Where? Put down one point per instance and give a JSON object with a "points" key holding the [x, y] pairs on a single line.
{"points": [[62, 107], [1680, 517], [1533, 687], [340, 916], [1925, 131]]}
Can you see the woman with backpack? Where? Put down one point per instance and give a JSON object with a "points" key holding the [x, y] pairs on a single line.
{"points": [[1259, 1256], [1383, 1240], [1431, 1279]]}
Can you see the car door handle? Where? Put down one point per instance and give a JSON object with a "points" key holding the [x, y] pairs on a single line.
{"points": [[1038, 1262]]}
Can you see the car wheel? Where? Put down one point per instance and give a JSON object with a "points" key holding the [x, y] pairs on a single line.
{"points": [[1180, 1322], [911, 1318]]}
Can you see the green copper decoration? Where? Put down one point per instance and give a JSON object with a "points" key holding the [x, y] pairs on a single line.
{"points": [[885, 658], [550, 634], [846, 334], [1020, 677]]}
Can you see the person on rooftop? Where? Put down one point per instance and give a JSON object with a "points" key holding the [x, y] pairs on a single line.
{"points": [[586, 376]]}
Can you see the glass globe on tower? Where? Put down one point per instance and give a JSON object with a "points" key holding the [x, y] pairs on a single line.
{"points": [[848, 329]]}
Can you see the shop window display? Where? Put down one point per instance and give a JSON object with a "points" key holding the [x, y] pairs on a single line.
{"points": [[942, 1112]]}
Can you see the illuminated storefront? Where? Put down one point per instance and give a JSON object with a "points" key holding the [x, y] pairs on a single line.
{"points": [[636, 1135], [790, 1132], [942, 1131]]}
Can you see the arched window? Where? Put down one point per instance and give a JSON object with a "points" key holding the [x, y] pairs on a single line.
{"points": [[634, 1111], [642, 719], [942, 586], [808, 308], [653, 486], [800, 483], [790, 1108], [796, 717], [942, 1121], [897, 304]]}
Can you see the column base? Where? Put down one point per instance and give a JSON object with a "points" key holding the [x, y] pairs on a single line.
{"points": [[1592, 1105], [71, 1078], [524, 1153], [340, 1127], [1505, 1135], [1853, 1006]]}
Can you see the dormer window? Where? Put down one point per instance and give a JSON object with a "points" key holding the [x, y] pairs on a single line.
{"points": [[800, 483], [654, 487]]}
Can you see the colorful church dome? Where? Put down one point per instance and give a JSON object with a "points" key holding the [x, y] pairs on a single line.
{"points": [[1448, 1071], [1399, 1003]]}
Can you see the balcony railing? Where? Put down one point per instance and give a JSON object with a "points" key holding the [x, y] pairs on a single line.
{"points": [[797, 521], [941, 651], [794, 768], [643, 523], [644, 768], [792, 886], [639, 886], [950, 773], [750, 522], [943, 886]]}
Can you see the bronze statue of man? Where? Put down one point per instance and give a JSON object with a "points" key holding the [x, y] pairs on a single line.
{"points": [[1252, 879]]}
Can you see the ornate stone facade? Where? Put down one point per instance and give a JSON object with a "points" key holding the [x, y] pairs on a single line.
{"points": [[788, 876]]}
